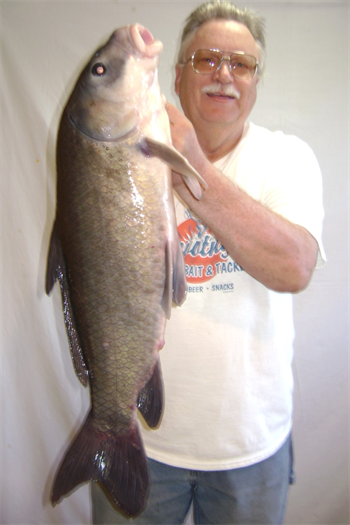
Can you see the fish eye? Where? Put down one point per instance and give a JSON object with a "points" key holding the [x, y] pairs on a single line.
{"points": [[98, 69]]}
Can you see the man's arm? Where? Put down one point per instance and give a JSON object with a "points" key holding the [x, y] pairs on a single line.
{"points": [[279, 254]]}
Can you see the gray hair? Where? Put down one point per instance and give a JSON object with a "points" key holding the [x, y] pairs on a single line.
{"points": [[225, 10]]}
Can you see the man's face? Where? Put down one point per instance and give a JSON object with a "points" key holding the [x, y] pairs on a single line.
{"points": [[202, 108]]}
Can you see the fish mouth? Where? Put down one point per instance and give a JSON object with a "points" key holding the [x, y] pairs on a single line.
{"points": [[144, 42], [137, 40]]}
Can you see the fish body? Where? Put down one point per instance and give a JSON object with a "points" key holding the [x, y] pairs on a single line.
{"points": [[115, 252]]}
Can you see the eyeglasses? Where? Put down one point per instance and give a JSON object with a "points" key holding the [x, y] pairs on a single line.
{"points": [[207, 61]]}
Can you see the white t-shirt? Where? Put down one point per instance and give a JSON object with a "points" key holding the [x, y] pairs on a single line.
{"points": [[227, 358]]}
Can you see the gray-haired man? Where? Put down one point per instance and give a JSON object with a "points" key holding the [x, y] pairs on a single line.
{"points": [[224, 442]]}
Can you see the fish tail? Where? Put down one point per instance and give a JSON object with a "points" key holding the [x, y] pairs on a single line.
{"points": [[118, 462]]}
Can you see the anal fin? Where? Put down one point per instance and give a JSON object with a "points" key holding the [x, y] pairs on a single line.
{"points": [[150, 399]]}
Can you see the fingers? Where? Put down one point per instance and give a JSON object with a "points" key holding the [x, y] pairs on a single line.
{"points": [[173, 113]]}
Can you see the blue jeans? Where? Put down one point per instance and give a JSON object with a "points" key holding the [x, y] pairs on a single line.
{"points": [[251, 495]]}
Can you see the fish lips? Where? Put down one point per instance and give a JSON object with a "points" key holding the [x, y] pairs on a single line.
{"points": [[137, 39]]}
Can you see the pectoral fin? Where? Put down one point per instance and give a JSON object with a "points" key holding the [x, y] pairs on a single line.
{"points": [[178, 163]]}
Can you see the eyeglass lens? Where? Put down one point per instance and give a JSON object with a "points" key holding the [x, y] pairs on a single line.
{"points": [[207, 61]]}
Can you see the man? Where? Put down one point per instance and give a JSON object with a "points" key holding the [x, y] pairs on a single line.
{"points": [[252, 240]]}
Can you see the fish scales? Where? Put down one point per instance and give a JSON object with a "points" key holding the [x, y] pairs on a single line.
{"points": [[115, 251], [117, 257]]}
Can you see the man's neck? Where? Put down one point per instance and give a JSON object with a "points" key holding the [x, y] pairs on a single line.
{"points": [[217, 142]]}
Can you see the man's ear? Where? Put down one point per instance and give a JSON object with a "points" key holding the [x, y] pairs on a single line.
{"points": [[178, 70]]}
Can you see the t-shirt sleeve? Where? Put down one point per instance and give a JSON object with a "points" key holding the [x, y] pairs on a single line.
{"points": [[294, 188]]}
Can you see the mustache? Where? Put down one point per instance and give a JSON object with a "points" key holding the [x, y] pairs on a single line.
{"points": [[223, 89]]}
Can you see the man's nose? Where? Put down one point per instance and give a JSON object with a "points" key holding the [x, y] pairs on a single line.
{"points": [[223, 73]]}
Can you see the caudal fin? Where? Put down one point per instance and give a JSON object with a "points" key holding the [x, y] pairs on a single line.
{"points": [[117, 461]]}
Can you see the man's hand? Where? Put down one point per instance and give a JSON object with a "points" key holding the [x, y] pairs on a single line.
{"points": [[185, 140], [183, 135]]}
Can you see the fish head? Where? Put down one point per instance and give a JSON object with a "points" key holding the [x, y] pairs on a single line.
{"points": [[118, 89]]}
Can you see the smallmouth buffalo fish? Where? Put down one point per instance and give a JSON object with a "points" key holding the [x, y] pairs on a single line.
{"points": [[115, 251]]}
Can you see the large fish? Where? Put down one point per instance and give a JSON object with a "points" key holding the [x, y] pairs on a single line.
{"points": [[115, 252]]}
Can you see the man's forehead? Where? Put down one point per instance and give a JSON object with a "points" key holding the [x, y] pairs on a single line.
{"points": [[227, 35]]}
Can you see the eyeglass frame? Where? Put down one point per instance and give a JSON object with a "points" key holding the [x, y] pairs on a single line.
{"points": [[223, 57]]}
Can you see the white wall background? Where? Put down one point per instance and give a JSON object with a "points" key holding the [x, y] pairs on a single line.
{"points": [[306, 92]]}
